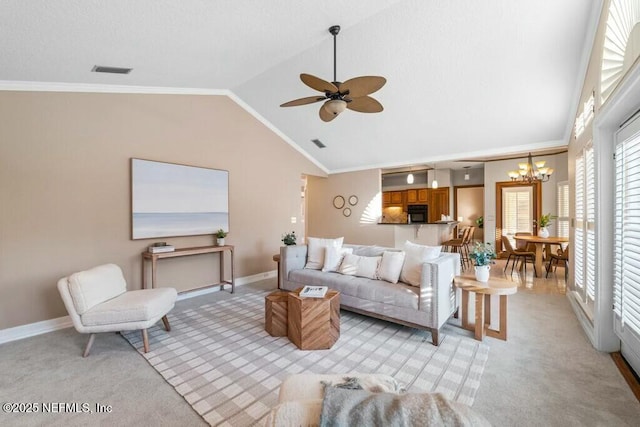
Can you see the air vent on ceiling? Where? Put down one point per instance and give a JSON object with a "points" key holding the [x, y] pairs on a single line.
{"points": [[318, 143], [111, 70]]}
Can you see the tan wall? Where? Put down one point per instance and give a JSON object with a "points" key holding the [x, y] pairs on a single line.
{"points": [[65, 188], [361, 227]]}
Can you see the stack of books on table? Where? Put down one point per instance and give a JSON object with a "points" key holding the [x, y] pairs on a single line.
{"points": [[157, 248], [313, 292]]}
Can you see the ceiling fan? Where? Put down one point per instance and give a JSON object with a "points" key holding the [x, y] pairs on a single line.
{"points": [[338, 96]]}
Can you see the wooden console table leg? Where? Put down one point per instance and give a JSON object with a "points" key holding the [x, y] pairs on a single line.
{"points": [[221, 270], [479, 326], [143, 277], [153, 272], [233, 274]]}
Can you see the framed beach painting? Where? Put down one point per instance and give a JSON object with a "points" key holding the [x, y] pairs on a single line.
{"points": [[168, 199]]}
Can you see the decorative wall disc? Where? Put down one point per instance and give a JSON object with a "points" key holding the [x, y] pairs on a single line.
{"points": [[346, 212], [353, 200], [338, 202]]}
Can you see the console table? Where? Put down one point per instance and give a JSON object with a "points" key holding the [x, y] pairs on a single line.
{"points": [[186, 252]]}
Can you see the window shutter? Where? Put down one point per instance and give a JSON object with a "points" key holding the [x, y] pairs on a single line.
{"points": [[563, 209], [516, 211], [590, 244], [617, 286], [627, 234], [579, 230]]}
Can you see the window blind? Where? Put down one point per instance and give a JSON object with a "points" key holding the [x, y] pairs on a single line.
{"points": [[563, 209], [579, 231], [627, 234], [590, 207], [517, 211]]}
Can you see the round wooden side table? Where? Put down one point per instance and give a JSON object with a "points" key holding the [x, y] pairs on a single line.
{"points": [[494, 286]]}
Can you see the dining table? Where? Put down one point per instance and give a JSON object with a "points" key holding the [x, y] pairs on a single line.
{"points": [[539, 243]]}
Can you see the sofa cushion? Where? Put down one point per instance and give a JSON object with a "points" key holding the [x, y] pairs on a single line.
{"points": [[91, 287], [415, 256], [333, 257], [391, 266], [315, 250], [132, 306], [399, 294], [364, 250], [361, 266]]}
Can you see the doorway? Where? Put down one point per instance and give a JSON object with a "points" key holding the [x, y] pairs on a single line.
{"points": [[517, 205], [468, 207]]}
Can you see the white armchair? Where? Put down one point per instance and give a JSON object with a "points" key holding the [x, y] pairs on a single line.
{"points": [[98, 301]]}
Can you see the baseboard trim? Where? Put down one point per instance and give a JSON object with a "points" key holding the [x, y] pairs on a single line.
{"points": [[38, 328], [33, 329], [241, 281], [627, 373]]}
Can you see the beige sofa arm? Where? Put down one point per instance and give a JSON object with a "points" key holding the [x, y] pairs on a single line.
{"points": [[437, 294]]}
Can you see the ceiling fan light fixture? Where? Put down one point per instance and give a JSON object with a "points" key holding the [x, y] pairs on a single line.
{"points": [[335, 106]]}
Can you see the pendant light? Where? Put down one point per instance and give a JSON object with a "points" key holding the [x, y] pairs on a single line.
{"points": [[410, 177], [434, 183]]}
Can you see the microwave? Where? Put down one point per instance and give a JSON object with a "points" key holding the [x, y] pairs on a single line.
{"points": [[417, 214]]}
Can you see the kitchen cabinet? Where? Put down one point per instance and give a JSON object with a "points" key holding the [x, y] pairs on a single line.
{"points": [[397, 198], [438, 203], [394, 199], [423, 195], [412, 196]]}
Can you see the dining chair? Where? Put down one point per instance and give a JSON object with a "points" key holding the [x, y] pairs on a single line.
{"points": [[561, 255], [522, 255]]}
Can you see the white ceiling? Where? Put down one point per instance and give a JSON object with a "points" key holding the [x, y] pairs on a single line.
{"points": [[466, 78]]}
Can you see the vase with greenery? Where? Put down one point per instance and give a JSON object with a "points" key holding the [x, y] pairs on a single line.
{"points": [[220, 235], [482, 255], [543, 223], [480, 222], [289, 239]]}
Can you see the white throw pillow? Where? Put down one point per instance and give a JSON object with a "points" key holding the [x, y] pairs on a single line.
{"points": [[391, 266], [361, 266], [415, 256], [333, 257], [315, 251]]}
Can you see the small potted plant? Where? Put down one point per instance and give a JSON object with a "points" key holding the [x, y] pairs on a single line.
{"points": [[482, 255], [543, 223], [289, 239], [220, 235]]}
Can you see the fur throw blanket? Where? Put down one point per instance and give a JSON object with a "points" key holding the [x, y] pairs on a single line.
{"points": [[349, 405]]}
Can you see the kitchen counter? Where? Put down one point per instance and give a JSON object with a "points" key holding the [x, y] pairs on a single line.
{"points": [[432, 233]]}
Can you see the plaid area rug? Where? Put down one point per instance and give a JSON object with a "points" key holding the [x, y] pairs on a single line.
{"points": [[221, 360]]}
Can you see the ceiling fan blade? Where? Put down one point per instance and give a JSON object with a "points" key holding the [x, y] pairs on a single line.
{"points": [[303, 101], [361, 86], [365, 104], [325, 115], [317, 83]]}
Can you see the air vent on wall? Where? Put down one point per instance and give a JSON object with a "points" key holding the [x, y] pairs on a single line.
{"points": [[318, 143], [111, 70]]}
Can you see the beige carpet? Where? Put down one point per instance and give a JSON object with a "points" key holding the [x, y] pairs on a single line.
{"points": [[220, 359]]}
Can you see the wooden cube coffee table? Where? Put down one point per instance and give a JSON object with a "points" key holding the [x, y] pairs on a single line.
{"points": [[313, 323], [275, 313]]}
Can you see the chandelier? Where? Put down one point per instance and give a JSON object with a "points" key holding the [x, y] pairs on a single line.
{"points": [[527, 173]]}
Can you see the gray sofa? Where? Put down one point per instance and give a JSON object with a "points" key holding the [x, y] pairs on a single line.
{"points": [[425, 307]]}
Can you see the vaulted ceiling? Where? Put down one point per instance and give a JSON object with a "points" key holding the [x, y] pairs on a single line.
{"points": [[465, 78]]}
